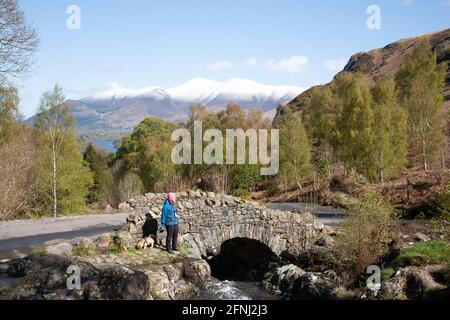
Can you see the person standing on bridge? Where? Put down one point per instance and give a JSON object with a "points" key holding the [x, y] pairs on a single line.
{"points": [[169, 220]]}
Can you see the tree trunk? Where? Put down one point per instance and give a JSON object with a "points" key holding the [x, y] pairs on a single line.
{"points": [[381, 177], [424, 155], [55, 199]]}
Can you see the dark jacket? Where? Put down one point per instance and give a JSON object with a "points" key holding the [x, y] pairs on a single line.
{"points": [[169, 216]]}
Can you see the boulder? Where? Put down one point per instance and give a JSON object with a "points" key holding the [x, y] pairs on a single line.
{"points": [[103, 241], [282, 279], [160, 286], [318, 226], [108, 209], [196, 271], [413, 283], [420, 237], [124, 239], [121, 283], [125, 207], [317, 286], [86, 243], [38, 277], [60, 249], [325, 241]]}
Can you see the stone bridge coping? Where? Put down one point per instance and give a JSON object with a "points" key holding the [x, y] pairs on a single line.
{"points": [[153, 203], [209, 219]]}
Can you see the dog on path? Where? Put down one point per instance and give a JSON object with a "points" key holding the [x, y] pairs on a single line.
{"points": [[144, 243]]}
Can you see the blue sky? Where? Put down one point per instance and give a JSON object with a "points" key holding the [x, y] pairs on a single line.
{"points": [[137, 43]]}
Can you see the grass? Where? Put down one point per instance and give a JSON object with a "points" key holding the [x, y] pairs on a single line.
{"points": [[39, 250], [424, 253], [387, 273], [82, 251], [114, 248]]}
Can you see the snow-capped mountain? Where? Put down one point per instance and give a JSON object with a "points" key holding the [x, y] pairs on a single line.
{"points": [[123, 108]]}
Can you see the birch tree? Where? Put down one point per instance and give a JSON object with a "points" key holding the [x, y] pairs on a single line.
{"points": [[59, 159], [420, 83]]}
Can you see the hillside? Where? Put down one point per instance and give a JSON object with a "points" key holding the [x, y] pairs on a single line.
{"points": [[379, 62]]}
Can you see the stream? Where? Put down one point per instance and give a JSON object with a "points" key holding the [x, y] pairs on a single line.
{"points": [[233, 290]]}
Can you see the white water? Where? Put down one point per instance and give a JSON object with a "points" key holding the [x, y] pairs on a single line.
{"points": [[232, 290]]}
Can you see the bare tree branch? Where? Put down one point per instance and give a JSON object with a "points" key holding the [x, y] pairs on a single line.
{"points": [[18, 42]]}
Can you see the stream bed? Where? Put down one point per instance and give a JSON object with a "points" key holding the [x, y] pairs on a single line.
{"points": [[234, 290]]}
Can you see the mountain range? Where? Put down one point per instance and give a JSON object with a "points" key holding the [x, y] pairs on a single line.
{"points": [[122, 108]]}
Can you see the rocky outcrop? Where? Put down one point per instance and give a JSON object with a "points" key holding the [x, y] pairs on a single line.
{"points": [[44, 276], [416, 283], [317, 286], [39, 277], [211, 219], [281, 280], [296, 284]]}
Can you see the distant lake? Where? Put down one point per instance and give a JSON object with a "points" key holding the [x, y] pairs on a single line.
{"points": [[106, 144]]}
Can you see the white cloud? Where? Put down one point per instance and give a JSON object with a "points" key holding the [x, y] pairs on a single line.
{"points": [[76, 89], [252, 62], [221, 65], [407, 2], [294, 64], [335, 64], [113, 85]]}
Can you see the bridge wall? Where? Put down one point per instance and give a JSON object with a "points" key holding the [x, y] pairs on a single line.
{"points": [[211, 219]]}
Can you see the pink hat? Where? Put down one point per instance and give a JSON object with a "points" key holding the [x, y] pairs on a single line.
{"points": [[172, 197]]}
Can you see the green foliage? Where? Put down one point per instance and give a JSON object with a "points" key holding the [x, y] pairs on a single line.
{"points": [[363, 127], [423, 253], [138, 142], [387, 273], [367, 230], [324, 116], [102, 190], [73, 178], [243, 194], [246, 176], [443, 204], [158, 171], [324, 167], [82, 251], [420, 82], [295, 152], [389, 131], [147, 153], [271, 188], [62, 179], [440, 221], [9, 111], [354, 135], [114, 248]]}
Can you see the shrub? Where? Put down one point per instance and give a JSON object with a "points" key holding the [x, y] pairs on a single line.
{"points": [[367, 231], [243, 194], [82, 251], [245, 176], [130, 186]]}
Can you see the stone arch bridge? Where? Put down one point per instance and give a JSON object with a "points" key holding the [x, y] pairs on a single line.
{"points": [[209, 219]]}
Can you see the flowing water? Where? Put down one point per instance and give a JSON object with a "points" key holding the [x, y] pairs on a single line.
{"points": [[233, 290]]}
